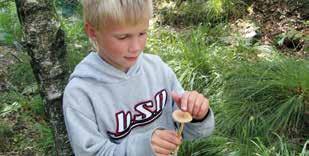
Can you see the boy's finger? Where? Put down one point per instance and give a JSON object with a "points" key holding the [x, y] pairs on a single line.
{"points": [[191, 101], [184, 102], [172, 137], [176, 97], [204, 109], [166, 140], [197, 106], [160, 150], [164, 144]]}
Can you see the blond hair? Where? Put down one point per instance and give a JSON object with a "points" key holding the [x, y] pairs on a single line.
{"points": [[125, 12]]}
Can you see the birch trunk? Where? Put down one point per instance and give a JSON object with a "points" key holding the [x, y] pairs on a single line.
{"points": [[44, 41]]}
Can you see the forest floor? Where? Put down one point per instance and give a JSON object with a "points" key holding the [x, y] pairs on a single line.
{"points": [[8, 56], [285, 22]]}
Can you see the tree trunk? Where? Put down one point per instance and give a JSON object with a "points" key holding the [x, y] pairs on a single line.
{"points": [[44, 41]]}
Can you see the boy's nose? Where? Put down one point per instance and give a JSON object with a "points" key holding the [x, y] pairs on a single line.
{"points": [[135, 46]]}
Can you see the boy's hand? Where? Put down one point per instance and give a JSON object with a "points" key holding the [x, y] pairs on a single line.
{"points": [[163, 142], [193, 102]]}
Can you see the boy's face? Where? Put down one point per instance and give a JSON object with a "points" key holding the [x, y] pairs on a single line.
{"points": [[121, 45]]}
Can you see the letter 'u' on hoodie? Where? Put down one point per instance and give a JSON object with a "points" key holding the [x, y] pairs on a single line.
{"points": [[111, 113]]}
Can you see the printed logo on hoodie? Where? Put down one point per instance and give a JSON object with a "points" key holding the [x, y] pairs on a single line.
{"points": [[145, 113]]}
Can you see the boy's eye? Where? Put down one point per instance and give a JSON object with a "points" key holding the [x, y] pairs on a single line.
{"points": [[142, 33], [122, 37]]}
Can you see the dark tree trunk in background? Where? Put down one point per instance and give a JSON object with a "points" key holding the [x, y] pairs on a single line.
{"points": [[44, 41]]}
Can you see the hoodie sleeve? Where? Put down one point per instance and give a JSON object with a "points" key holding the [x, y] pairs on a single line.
{"points": [[197, 129], [85, 138]]}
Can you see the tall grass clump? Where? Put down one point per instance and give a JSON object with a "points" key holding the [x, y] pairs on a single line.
{"points": [[280, 146], [265, 97]]}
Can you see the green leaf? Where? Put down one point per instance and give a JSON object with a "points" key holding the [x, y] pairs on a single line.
{"points": [[31, 89], [10, 108], [280, 41]]}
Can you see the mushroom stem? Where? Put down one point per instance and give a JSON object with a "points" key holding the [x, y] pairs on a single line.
{"points": [[182, 118], [175, 152], [179, 132]]}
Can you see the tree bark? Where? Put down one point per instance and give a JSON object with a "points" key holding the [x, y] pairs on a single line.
{"points": [[44, 41]]}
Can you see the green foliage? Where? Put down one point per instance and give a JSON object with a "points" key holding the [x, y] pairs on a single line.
{"points": [[10, 29], [163, 42], [68, 8], [38, 139], [37, 106], [305, 151], [199, 12], [280, 148], [253, 91], [23, 107], [189, 54], [221, 9], [21, 74], [8, 98], [45, 141], [270, 96], [212, 146], [291, 39], [27, 117], [278, 89], [10, 108], [76, 40], [5, 136], [197, 147]]}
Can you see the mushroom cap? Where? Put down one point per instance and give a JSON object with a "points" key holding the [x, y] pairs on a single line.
{"points": [[181, 116]]}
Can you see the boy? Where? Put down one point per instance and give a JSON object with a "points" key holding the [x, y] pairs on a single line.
{"points": [[119, 101]]}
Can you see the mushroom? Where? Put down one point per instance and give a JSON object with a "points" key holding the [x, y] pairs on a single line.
{"points": [[182, 118]]}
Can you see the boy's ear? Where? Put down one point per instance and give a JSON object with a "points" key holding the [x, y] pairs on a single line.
{"points": [[90, 30]]}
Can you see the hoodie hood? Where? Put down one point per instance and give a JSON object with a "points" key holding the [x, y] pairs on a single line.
{"points": [[94, 67]]}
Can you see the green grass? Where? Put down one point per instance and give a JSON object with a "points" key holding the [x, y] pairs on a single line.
{"points": [[264, 97], [281, 147], [279, 88], [25, 124], [5, 136], [21, 74], [23, 112], [10, 29], [45, 142], [214, 145], [76, 40], [189, 53], [253, 95]]}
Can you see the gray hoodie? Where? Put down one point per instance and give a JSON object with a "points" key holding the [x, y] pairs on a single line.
{"points": [[108, 112]]}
